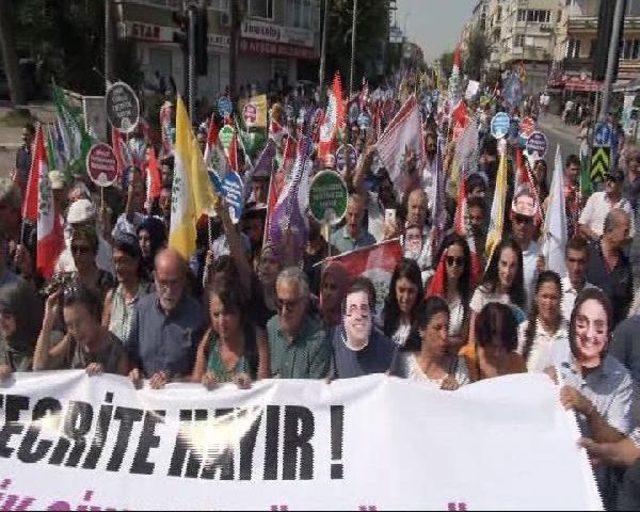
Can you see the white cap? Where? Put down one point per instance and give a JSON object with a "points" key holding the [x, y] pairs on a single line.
{"points": [[80, 211], [56, 179]]}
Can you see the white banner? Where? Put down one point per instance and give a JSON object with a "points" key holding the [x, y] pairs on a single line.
{"points": [[372, 443]]}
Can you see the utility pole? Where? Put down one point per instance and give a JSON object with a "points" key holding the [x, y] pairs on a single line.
{"points": [[192, 63], [323, 47], [354, 24], [618, 17], [108, 43]]}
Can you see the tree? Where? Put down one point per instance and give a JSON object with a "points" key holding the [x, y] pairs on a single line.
{"points": [[478, 53], [371, 34], [9, 55], [67, 41]]}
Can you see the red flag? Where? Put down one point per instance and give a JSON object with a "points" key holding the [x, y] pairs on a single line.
{"points": [[49, 230], [333, 121], [404, 131], [377, 262], [30, 200], [438, 284], [459, 222], [154, 178]]}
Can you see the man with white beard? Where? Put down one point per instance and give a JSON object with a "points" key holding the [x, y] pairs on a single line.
{"points": [[358, 347]]}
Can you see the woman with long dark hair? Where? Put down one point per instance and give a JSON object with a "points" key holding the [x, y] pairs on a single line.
{"points": [[493, 352], [231, 350], [399, 314], [429, 358], [152, 237], [543, 338], [503, 282], [452, 282]]}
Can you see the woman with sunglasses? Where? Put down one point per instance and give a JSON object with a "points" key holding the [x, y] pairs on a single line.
{"points": [[402, 303], [84, 249], [452, 282], [594, 384], [231, 350], [543, 338], [502, 282], [86, 344], [429, 358]]}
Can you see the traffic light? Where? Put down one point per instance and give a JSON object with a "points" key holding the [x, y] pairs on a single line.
{"points": [[603, 40], [202, 41]]}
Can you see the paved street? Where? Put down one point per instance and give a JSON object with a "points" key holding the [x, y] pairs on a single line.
{"points": [[558, 133]]}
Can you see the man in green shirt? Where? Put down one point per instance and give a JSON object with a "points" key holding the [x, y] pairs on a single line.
{"points": [[297, 341]]}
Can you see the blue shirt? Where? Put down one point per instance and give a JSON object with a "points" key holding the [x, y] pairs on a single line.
{"points": [[376, 357], [168, 343], [343, 241]]}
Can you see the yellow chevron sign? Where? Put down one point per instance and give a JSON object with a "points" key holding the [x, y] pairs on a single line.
{"points": [[600, 163]]}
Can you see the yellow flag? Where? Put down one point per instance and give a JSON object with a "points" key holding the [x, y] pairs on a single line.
{"points": [[496, 225], [192, 193]]}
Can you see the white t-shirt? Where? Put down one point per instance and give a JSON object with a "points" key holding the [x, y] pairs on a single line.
{"points": [[547, 349], [410, 368], [481, 297], [456, 317], [597, 209]]}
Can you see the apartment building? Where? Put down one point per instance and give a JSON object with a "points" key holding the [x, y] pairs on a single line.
{"points": [[576, 39], [279, 38], [528, 38]]}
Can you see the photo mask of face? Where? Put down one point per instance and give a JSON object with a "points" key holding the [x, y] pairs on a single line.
{"points": [[358, 320]]}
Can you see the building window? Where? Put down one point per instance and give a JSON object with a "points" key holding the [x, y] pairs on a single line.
{"points": [[573, 49], [518, 41], [261, 9], [299, 13], [631, 49], [219, 5], [534, 15], [592, 48]]}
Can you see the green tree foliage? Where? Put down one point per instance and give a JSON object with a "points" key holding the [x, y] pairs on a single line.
{"points": [[66, 39], [371, 34], [477, 55]]}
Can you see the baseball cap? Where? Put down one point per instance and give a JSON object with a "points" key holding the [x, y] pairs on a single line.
{"points": [[81, 211], [56, 179]]}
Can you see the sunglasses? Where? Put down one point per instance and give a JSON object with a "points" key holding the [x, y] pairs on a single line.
{"points": [[457, 261]]}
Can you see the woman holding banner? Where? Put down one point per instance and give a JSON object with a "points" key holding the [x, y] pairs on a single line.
{"points": [[430, 359], [231, 350]]}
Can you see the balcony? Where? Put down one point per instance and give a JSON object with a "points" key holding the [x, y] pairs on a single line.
{"points": [[528, 54], [589, 24]]}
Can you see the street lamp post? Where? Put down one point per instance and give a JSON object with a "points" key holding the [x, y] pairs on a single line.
{"points": [[353, 45]]}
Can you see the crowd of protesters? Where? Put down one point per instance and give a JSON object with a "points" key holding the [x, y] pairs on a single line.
{"points": [[122, 301]]}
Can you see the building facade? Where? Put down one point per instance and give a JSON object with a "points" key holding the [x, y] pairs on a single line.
{"points": [[576, 39], [528, 39], [279, 39]]}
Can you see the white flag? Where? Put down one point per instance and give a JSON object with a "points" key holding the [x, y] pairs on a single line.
{"points": [[555, 226]]}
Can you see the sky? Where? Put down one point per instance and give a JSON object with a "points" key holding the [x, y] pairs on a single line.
{"points": [[434, 24]]}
